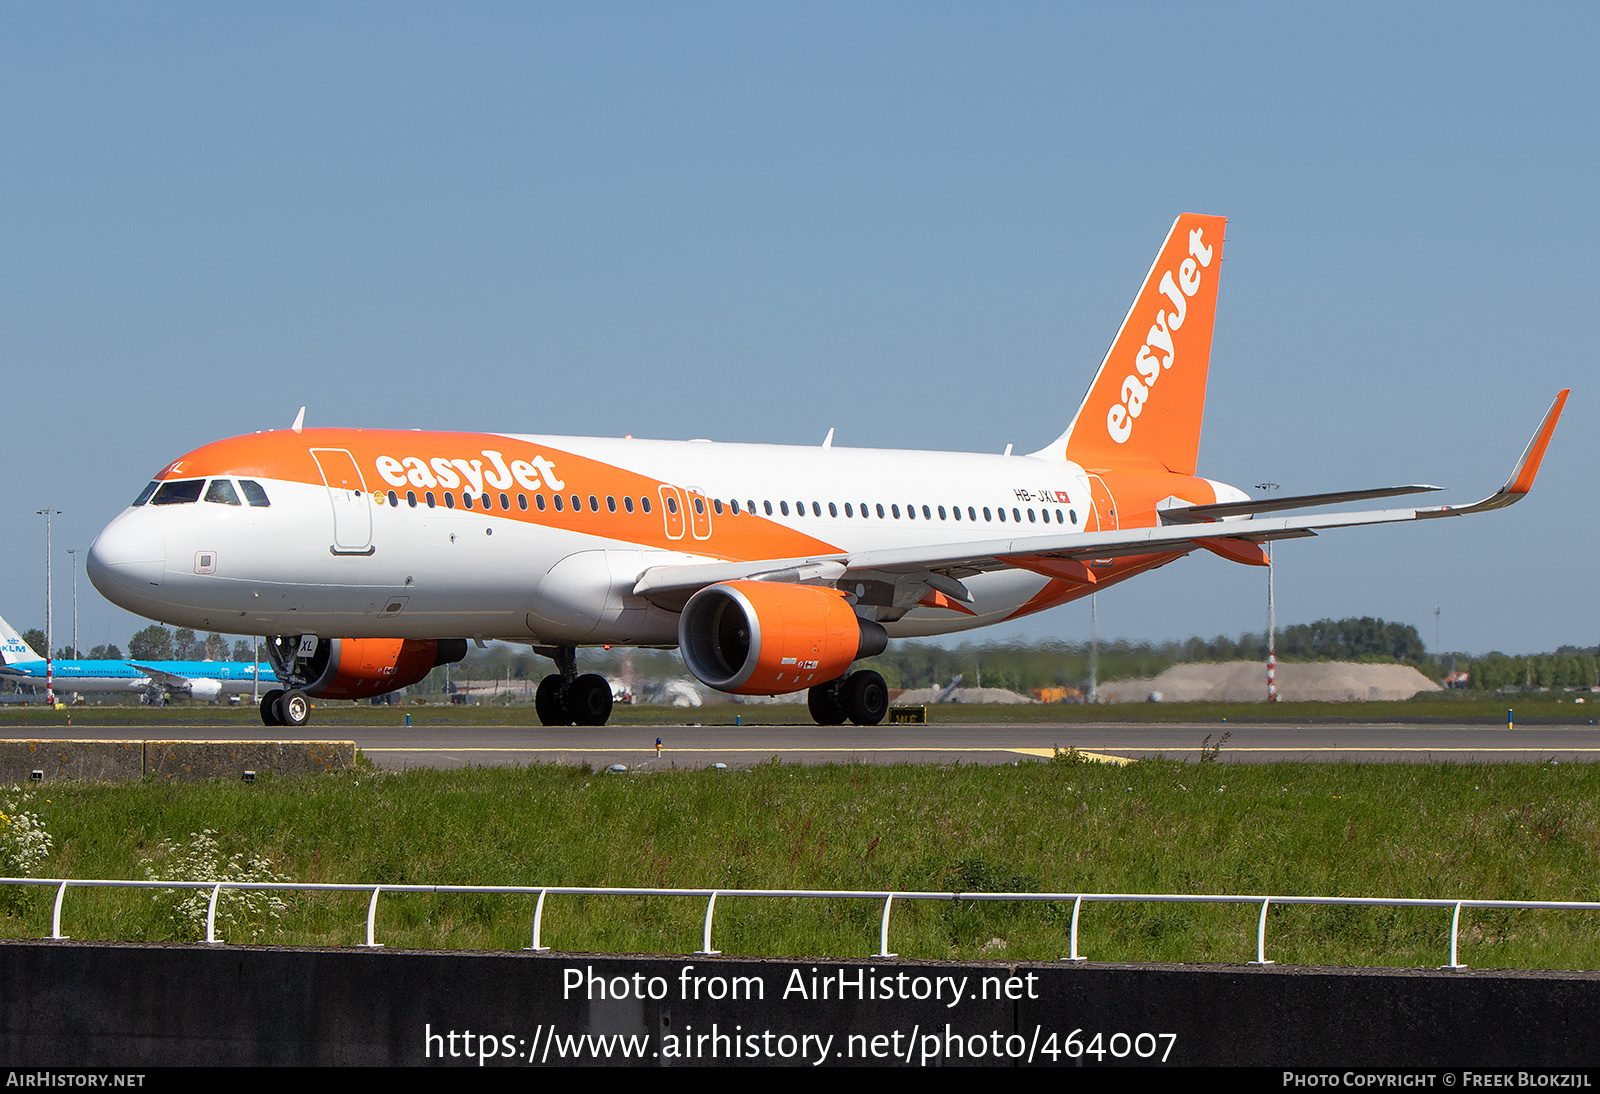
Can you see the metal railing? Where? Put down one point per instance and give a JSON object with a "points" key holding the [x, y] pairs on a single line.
{"points": [[887, 897]]}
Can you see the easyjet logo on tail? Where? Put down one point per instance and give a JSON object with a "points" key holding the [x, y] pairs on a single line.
{"points": [[1158, 354], [449, 473]]}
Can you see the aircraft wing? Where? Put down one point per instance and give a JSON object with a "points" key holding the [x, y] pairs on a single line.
{"points": [[169, 680], [941, 566]]}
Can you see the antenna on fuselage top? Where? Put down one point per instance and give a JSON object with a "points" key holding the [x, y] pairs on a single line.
{"points": [[827, 442], [299, 420]]}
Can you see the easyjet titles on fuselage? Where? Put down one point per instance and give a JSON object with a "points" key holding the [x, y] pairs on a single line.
{"points": [[442, 471]]}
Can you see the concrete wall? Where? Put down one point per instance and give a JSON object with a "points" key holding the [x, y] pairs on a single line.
{"points": [[130, 1005], [181, 761]]}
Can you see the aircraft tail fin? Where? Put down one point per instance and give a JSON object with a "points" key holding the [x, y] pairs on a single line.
{"points": [[1145, 407], [14, 649]]}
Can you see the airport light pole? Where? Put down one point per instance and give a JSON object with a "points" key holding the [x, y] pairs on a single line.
{"points": [[73, 551], [1272, 617], [49, 680]]}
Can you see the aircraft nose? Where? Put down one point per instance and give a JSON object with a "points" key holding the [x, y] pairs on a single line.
{"points": [[127, 561]]}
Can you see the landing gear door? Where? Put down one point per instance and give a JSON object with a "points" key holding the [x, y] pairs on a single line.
{"points": [[352, 508]]}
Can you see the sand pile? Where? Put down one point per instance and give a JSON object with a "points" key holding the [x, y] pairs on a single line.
{"points": [[919, 696], [1246, 682]]}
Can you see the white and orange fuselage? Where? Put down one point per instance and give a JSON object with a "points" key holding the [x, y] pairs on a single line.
{"points": [[404, 534]]}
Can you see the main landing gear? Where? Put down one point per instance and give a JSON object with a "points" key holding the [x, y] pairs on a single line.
{"points": [[861, 697], [586, 701], [564, 698], [291, 709]]}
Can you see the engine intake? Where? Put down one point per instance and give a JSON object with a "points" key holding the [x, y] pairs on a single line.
{"points": [[770, 638]]}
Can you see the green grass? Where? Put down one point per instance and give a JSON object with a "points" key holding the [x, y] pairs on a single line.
{"points": [[1457, 831]]}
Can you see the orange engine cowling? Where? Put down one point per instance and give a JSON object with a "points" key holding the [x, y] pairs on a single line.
{"points": [[359, 668], [768, 638]]}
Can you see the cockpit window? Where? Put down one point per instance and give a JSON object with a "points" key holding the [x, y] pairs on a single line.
{"points": [[144, 495], [178, 492], [221, 491], [253, 492]]}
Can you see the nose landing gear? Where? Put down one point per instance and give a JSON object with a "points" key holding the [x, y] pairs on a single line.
{"points": [[291, 709]]}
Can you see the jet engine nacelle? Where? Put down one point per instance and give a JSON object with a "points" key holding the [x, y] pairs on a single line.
{"points": [[769, 638], [359, 668], [206, 690]]}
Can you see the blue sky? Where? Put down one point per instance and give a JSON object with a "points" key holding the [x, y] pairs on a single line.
{"points": [[919, 224]]}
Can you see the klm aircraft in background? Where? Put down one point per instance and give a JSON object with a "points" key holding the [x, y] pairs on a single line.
{"points": [[205, 680]]}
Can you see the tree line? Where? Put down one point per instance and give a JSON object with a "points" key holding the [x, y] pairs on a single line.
{"points": [[154, 643]]}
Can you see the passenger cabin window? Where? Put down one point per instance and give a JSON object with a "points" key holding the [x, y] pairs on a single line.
{"points": [[253, 493], [144, 495], [221, 491], [178, 492]]}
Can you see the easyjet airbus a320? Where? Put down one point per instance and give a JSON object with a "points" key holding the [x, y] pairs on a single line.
{"points": [[370, 556]]}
